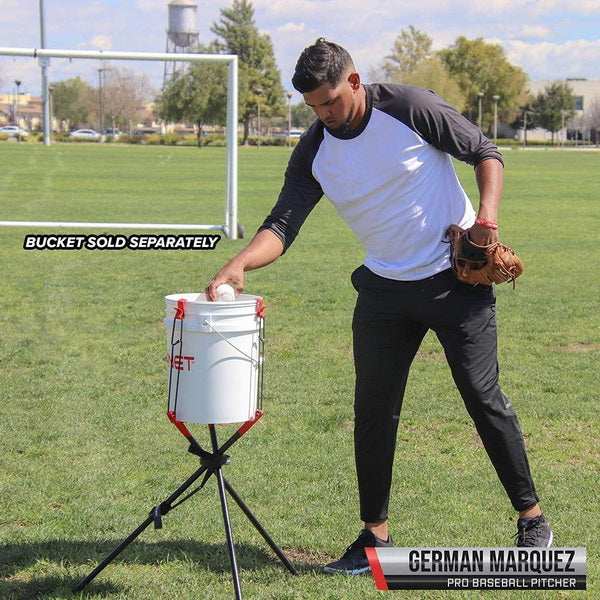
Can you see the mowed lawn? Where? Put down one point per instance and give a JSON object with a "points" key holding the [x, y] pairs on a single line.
{"points": [[86, 450]]}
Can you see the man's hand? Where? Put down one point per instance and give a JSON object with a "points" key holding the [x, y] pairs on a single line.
{"points": [[231, 273], [483, 236], [264, 248]]}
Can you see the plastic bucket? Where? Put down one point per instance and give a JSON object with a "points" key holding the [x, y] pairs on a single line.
{"points": [[214, 358]]}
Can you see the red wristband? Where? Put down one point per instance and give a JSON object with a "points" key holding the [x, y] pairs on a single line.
{"points": [[484, 223]]}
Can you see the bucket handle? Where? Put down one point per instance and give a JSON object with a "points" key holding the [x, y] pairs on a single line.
{"points": [[253, 360]]}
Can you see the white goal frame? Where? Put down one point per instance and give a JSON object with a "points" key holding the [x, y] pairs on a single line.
{"points": [[230, 227]]}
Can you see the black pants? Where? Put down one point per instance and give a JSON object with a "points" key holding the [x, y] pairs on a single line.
{"points": [[390, 321]]}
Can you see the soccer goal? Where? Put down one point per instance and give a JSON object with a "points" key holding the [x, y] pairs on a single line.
{"points": [[230, 227]]}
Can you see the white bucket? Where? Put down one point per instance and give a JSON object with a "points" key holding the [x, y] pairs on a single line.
{"points": [[214, 363]]}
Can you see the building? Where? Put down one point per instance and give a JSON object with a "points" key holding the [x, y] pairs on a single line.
{"points": [[586, 123], [28, 107]]}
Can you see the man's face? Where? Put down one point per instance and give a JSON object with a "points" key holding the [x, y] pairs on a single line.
{"points": [[336, 107]]}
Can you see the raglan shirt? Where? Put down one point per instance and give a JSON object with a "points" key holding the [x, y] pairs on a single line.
{"points": [[391, 179]]}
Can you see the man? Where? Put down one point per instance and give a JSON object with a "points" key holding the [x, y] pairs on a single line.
{"points": [[382, 156]]}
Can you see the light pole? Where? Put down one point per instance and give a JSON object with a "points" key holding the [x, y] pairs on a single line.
{"points": [[45, 63], [525, 113], [18, 84], [495, 97], [289, 119], [101, 70], [258, 92], [480, 96], [50, 128]]}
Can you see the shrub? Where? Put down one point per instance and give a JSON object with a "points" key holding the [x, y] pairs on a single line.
{"points": [[152, 139], [170, 139]]}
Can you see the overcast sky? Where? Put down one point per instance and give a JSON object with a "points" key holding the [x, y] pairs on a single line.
{"points": [[549, 39]]}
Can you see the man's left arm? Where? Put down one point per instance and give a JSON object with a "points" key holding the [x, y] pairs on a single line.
{"points": [[489, 175]]}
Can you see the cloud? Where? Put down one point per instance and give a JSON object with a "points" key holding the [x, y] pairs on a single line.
{"points": [[532, 32], [102, 42], [291, 27], [551, 60]]}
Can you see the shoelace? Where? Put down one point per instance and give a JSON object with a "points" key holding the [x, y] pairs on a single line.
{"points": [[526, 534], [358, 543]]}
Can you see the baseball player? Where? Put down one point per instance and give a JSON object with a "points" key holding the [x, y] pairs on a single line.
{"points": [[381, 153]]}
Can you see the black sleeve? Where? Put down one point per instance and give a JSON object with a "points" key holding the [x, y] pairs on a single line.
{"points": [[437, 122], [300, 192]]}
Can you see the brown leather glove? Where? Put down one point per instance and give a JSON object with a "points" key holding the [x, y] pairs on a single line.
{"points": [[474, 264]]}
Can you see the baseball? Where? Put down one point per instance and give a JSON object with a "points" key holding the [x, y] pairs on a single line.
{"points": [[225, 293]]}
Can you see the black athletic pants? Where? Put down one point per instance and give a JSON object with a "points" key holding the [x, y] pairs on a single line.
{"points": [[390, 321]]}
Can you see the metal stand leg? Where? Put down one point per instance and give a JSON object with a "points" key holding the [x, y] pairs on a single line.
{"points": [[210, 464], [230, 547]]}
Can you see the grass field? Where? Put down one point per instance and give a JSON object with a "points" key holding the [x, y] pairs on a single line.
{"points": [[86, 449]]}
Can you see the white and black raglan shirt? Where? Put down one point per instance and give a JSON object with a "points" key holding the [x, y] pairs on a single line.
{"points": [[391, 179]]}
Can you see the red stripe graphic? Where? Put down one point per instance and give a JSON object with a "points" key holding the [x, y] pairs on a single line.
{"points": [[376, 569]]}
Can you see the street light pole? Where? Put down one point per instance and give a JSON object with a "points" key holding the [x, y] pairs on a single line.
{"points": [[101, 70], [18, 84], [258, 92], [495, 97], [480, 96], [50, 92], [44, 62], [289, 119]]}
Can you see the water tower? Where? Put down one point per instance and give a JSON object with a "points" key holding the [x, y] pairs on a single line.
{"points": [[182, 32]]}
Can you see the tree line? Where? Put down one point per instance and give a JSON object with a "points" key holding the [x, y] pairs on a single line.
{"points": [[472, 75]]}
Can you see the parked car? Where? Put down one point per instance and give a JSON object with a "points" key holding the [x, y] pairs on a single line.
{"points": [[85, 134], [144, 131], [112, 132], [14, 130]]}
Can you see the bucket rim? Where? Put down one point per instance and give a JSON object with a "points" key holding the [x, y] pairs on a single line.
{"points": [[195, 298]]}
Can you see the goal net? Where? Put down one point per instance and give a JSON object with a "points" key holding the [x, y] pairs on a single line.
{"points": [[229, 226]]}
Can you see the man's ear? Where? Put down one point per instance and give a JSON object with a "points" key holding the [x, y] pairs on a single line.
{"points": [[354, 81]]}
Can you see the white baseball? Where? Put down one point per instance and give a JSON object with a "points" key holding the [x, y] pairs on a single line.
{"points": [[225, 293]]}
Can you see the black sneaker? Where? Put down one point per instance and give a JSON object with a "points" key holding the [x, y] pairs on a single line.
{"points": [[534, 532], [354, 561]]}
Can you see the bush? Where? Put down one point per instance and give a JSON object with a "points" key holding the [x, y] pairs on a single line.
{"points": [[171, 139], [152, 139]]}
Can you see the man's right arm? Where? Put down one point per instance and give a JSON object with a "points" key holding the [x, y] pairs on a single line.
{"points": [[264, 248], [298, 196]]}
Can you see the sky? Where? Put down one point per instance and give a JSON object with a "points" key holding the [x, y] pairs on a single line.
{"points": [[548, 39]]}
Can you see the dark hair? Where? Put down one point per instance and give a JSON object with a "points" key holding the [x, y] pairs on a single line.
{"points": [[323, 62]]}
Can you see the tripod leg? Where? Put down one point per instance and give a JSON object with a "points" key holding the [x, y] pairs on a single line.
{"points": [[230, 547], [161, 509], [113, 554], [282, 557]]}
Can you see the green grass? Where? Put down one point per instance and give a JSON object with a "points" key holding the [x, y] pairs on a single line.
{"points": [[86, 450]]}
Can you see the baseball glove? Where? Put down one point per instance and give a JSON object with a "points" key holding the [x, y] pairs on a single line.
{"points": [[474, 264]]}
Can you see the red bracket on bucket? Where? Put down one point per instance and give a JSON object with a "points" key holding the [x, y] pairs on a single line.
{"points": [[179, 424], [242, 430], [260, 308], [180, 310]]}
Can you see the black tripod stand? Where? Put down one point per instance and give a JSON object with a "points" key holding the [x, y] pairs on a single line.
{"points": [[210, 463]]}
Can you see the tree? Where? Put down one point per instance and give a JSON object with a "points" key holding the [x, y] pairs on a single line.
{"points": [[412, 62], [481, 67], [73, 101], [258, 72], [124, 94], [554, 106], [410, 48], [198, 94], [593, 120], [302, 115], [431, 73]]}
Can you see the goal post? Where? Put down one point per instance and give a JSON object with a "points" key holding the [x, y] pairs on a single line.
{"points": [[230, 226]]}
